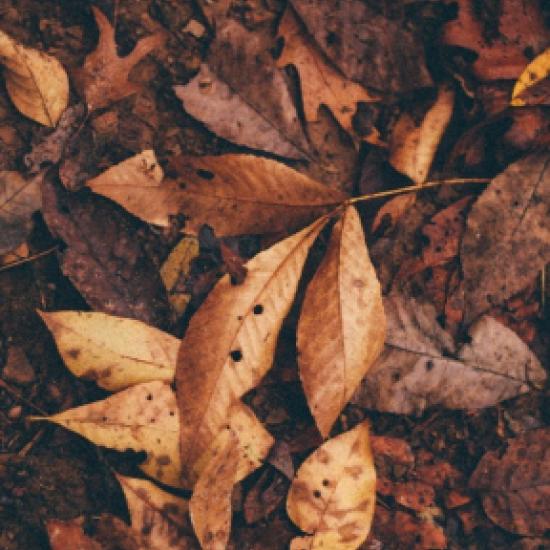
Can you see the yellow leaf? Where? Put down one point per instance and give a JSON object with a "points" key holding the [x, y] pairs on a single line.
{"points": [[254, 442], [237, 451], [114, 351], [333, 494], [342, 325], [535, 71], [36, 83], [176, 267], [141, 418], [230, 341], [412, 146], [159, 518], [320, 83], [234, 194]]}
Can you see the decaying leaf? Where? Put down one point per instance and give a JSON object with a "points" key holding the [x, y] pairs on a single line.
{"points": [[421, 365], [320, 83], [362, 43], [332, 497], [233, 194], [253, 441], [242, 96], [175, 271], [507, 238], [342, 326], [535, 72], [515, 485], [70, 534], [141, 418], [104, 77], [114, 351], [241, 324], [19, 198], [36, 83], [157, 517], [412, 146]]}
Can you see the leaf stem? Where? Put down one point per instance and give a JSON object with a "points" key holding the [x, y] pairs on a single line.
{"points": [[415, 188]]}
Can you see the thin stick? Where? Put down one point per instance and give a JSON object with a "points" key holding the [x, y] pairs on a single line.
{"points": [[416, 188], [32, 258]]}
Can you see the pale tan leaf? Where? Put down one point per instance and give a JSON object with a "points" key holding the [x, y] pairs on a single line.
{"points": [[342, 325], [104, 77], [254, 442], [412, 146], [36, 83], [19, 198], [114, 351], [234, 194], [159, 518], [333, 495], [142, 418], [230, 341], [210, 505], [320, 82], [175, 268]]}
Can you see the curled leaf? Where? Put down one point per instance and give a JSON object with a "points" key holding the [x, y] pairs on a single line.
{"points": [[36, 83], [333, 495], [114, 351], [342, 325]]}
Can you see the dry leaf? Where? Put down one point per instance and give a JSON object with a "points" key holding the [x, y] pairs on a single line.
{"points": [[333, 495], [507, 238], [342, 325], [412, 146], [242, 96], [36, 83], [19, 198], [104, 77], [240, 324], [114, 351], [234, 194], [210, 505], [362, 43], [320, 83], [393, 209], [70, 534], [535, 72], [515, 485], [141, 418], [175, 272], [421, 367], [157, 517]]}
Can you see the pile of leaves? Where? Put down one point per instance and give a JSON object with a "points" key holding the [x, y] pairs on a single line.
{"points": [[286, 225]]}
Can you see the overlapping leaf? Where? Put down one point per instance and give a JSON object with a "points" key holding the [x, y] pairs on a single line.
{"points": [[342, 326], [241, 324], [333, 495]]}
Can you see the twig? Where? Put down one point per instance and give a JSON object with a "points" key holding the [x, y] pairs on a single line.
{"points": [[19, 397], [32, 258]]}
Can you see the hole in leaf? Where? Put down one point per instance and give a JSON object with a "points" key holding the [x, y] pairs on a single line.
{"points": [[205, 174], [429, 365], [396, 377], [317, 494], [149, 397], [258, 309], [326, 482], [236, 355]]}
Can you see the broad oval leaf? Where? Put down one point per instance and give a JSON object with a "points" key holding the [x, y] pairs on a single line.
{"points": [[36, 82], [333, 495], [230, 341], [341, 329], [116, 352], [141, 418]]}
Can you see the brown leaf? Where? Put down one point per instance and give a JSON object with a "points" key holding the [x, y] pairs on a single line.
{"points": [[515, 486], [421, 366], [362, 44], [36, 83], [502, 54], [507, 226], [104, 77], [265, 496], [19, 198], [342, 326], [320, 82], [105, 257], [243, 97], [230, 341], [333, 494], [70, 534]]}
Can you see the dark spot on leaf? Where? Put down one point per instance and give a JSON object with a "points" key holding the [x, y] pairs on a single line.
{"points": [[429, 365], [258, 309], [326, 482], [172, 413], [317, 494], [395, 377], [149, 397], [236, 355], [163, 460], [205, 174], [74, 353]]}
